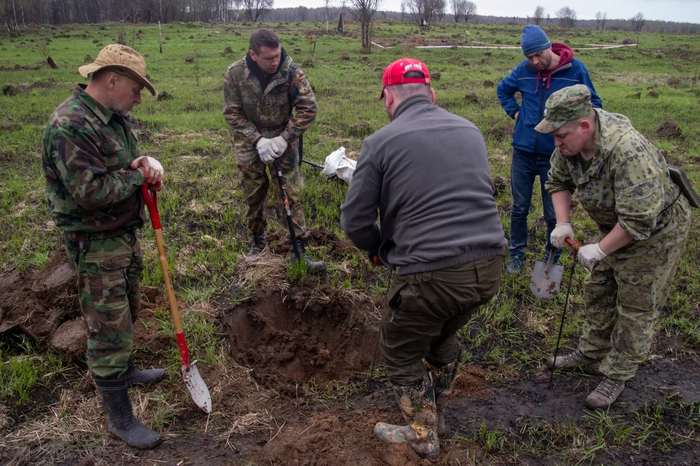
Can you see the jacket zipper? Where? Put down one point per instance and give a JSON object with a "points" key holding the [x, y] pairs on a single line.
{"points": [[537, 136]]}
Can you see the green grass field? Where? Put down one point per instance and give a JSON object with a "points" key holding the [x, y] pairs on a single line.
{"points": [[203, 214]]}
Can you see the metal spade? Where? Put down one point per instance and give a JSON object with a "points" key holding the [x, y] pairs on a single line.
{"points": [[193, 381], [546, 278]]}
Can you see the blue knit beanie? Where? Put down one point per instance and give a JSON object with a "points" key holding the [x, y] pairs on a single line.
{"points": [[533, 40]]}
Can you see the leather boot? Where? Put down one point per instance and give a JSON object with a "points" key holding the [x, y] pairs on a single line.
{"points": [[312, 266], [417, 404], [575, 360], [444, 378], [135, 376], [121, 421], [257, 246]]}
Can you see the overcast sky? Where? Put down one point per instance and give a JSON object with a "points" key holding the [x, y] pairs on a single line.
{"points": [[668, 10]]}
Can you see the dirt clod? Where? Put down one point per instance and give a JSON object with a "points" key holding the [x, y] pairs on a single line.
{"points": [[501, 130], [488, 83], [653, 94], [162, 95], [88, 58], [471, 98], [189, 58], [9, 89], [71, 338], [500, 185], [36, 303], [345, 56], [361, 129], [669, 129]]}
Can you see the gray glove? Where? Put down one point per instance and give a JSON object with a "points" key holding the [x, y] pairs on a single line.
{"points": [[267, 150]]}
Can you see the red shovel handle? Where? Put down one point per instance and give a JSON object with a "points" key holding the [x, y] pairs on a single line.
{"points": [[151, 198], [575, 246]]}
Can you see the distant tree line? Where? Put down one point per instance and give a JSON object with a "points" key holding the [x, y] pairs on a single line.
{"points": [[18, 13]]}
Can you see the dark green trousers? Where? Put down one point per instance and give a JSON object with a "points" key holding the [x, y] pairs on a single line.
{"points": [[424, 311]]}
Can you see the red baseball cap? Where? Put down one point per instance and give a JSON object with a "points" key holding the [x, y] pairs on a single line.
{"points": [[395, 73]]}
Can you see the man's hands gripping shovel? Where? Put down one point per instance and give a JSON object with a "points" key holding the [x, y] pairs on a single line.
{"points": [[193, 381]]}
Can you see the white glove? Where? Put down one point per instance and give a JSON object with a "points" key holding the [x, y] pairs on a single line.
{"points": [[150, 168], [280, 145], [560, 233], [590, 254], [266, 150]]}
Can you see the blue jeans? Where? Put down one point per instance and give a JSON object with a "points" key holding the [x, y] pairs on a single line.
{"points": [[525, 168]]}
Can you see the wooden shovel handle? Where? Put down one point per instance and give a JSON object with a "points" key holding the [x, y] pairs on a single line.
{"points": [[152, 202]]}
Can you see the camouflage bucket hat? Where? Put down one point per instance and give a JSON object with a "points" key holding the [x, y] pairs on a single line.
{"points": [[568, 104], [123, 60]]}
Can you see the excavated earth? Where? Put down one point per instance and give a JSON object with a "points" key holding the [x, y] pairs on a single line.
{"points": [[293, 341]]}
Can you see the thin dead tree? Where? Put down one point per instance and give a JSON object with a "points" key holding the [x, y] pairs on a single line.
{"points": [[255, 9], [469, 11], [567, 17], [637, 22], [458, 9], [363, 11], [539, 14]]}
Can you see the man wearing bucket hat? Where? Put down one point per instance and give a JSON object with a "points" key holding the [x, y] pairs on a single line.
{"points": [[548, 68], [427, 173], [624, 185], [93, 177]]}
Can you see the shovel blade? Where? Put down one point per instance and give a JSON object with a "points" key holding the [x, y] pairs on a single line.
{"points": [[546, 279], [198, 389]]}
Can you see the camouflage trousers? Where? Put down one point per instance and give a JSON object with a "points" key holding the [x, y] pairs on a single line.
{"points": [[109, 278], [624, 296], [255, 184]]}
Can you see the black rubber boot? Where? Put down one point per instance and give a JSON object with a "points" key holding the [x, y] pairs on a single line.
{"points": [[312, 266], [257, 247], [121, 421], [135, 376]]}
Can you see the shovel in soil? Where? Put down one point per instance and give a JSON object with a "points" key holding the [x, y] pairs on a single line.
{"points": [[193, 381], [546, 278]]}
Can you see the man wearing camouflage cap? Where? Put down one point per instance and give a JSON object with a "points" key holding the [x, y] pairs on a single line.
{"points": [[624, 184], [93, 177]]}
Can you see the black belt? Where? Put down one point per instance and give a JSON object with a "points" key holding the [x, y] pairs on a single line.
{"points": [[84, 236]]}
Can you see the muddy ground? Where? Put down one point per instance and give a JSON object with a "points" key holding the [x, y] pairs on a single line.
{"points": [[270, 404]]}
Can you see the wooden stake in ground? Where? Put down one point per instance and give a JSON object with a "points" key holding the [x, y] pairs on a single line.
{"points": [[160, 38]]}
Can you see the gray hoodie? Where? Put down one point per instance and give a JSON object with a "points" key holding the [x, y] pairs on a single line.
{"points": [[428, 174]]}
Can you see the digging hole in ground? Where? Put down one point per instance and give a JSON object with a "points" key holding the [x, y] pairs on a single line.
{"points": [[292, 339]]}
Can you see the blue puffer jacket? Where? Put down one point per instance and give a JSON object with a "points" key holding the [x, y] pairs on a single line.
{"points": [[524, 79]]}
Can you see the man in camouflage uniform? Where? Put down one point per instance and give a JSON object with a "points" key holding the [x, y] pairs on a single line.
{"points": [[93, 175], [260, 92], [624, 184]]}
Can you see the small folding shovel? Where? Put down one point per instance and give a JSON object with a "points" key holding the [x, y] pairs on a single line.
{"points": [[546, 278], [193, 381]]}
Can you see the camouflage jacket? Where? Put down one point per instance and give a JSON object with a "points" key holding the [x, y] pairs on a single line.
{"points": [[253, 112], [627, 181], [86, 153]]}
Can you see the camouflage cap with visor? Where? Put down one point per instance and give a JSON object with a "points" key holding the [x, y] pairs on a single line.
{"points": [[568, 104]]}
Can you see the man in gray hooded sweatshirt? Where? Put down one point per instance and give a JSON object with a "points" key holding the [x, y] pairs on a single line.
{"points": [[427, 172]]}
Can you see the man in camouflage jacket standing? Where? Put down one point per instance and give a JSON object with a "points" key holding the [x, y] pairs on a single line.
{"points": [[260, 92], [624, 184], [93, 177]]}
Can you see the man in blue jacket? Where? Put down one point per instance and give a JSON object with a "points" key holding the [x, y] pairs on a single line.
{"points": [[549, 67]]}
